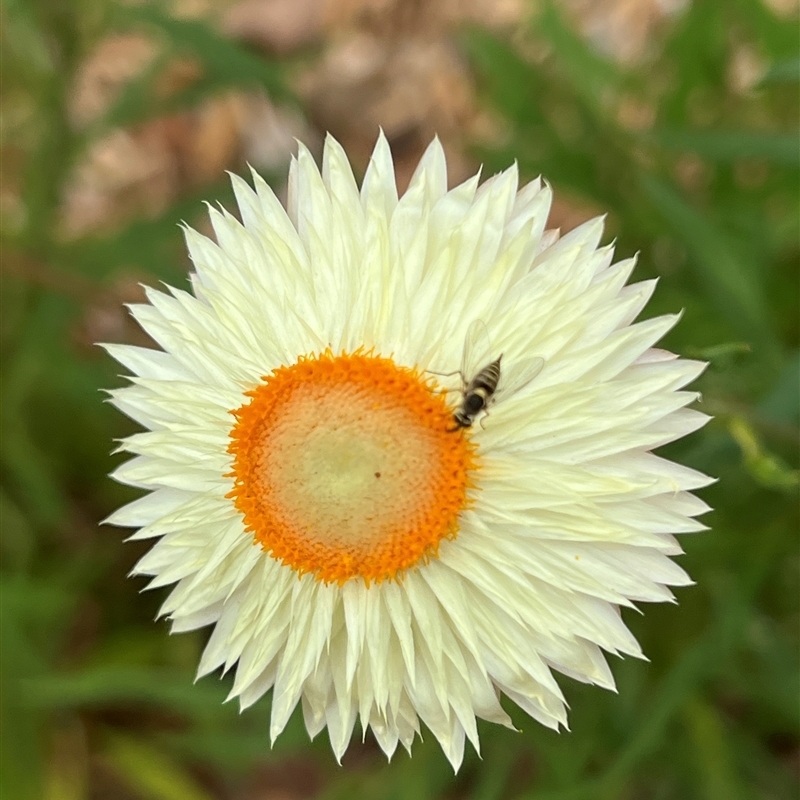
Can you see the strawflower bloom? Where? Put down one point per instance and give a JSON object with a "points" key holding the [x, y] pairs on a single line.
{"points": [[355, 547]]}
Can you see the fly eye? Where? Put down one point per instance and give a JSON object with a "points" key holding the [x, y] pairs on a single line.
{"points": [[474, 403]]}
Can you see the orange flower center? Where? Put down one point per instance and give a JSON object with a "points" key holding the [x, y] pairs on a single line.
{"points": [[348, 466]]}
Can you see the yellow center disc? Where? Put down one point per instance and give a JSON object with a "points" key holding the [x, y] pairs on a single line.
{"points": [[349, 466]]}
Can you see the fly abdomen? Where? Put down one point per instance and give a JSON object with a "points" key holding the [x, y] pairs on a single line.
{"points": [[487, 379]]}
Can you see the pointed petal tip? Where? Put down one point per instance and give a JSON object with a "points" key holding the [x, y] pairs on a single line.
{"points": [[232, 694], [109, 520]]}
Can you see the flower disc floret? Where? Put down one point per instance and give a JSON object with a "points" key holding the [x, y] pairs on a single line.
{"points": [[348, 466]]}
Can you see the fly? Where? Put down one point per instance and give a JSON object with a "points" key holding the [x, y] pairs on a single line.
{"points": [[488, 382]]}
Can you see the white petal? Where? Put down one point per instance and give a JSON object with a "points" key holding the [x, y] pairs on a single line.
{"points": [[379, 190]]}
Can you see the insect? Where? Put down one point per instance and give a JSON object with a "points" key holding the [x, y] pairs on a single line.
{"points": [[488, 383]]}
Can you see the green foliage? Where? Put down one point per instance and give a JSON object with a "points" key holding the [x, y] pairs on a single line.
{"points": [[715, 713], [224, 64]]}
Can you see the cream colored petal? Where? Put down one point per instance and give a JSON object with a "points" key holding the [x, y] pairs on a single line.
{"points": [[379, 190], [431, 173]]}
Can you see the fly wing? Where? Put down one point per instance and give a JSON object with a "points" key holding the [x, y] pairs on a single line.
{"points": [[517, 376], [477, 350]]}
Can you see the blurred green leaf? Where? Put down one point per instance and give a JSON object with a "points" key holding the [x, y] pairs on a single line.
{"points": [[560, 134], [783, 401], [19, 540], [719, 779], [243, 739], [507, 79], [774, 660], [220, 57], [154, 246], [682, 678], [493, 776], [103, 685], [21, 730], [783, 72], [589, 71], [31, 613], [733, 286], [135, 102], [722, 146], [30, 479], [24, 41], [67, 775], [766, 468], [725, 352], [149, 771]]}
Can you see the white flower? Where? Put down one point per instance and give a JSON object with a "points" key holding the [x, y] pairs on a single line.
{"points": [[312, 497]]}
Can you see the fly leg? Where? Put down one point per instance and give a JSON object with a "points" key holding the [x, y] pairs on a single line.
{"points": [[448, 375]]}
